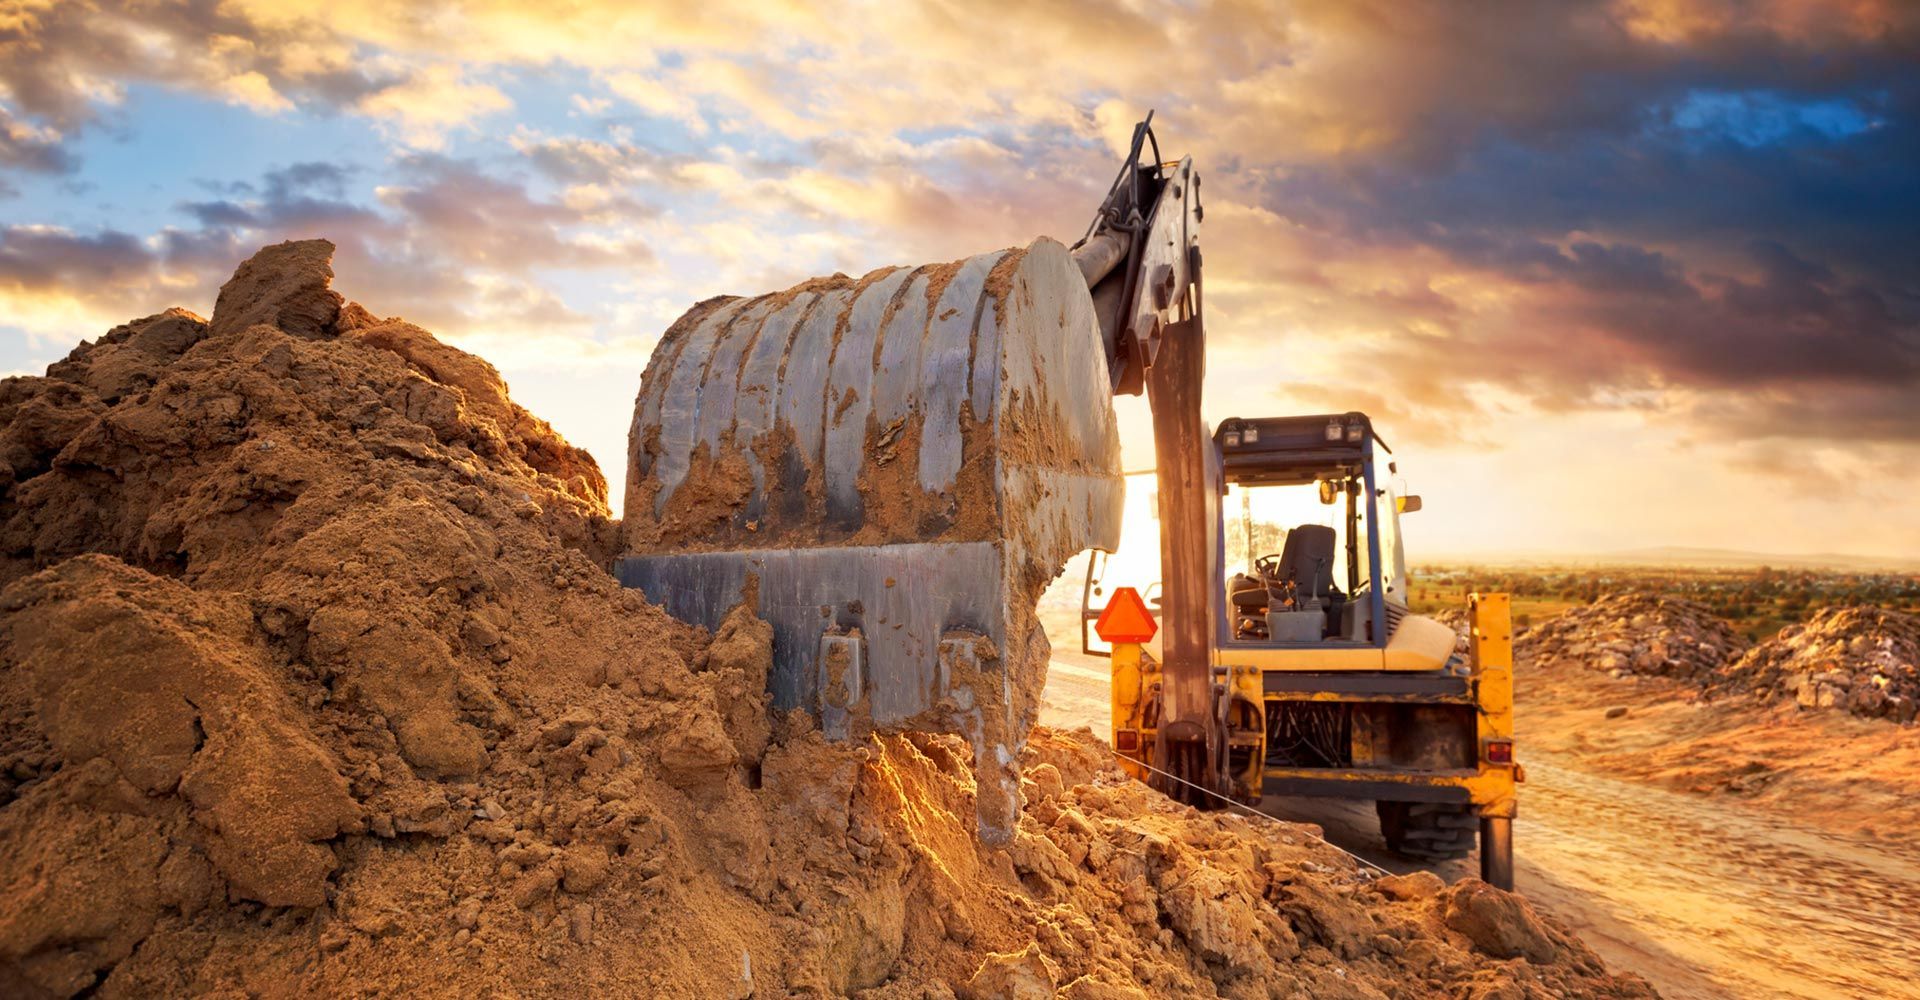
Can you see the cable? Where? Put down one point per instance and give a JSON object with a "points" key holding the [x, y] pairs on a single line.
{"points": [[1247, 809], [1132, 163]]}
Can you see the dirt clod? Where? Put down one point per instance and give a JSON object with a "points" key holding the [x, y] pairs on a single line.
{"points": [[1499, 923]]}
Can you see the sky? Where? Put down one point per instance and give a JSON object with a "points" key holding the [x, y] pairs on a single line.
{"points": [[1607, 275]]}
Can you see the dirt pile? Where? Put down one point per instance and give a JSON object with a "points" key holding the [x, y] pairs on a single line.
{"points": [[1863, 660], [1633, 633], [313, 681], [1460, 620]]}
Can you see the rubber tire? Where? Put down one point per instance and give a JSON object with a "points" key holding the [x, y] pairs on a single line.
{"points": [[1428, 831]]}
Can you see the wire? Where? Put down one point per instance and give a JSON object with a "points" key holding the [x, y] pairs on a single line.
{"points": [[1246, 809], [1131, 163]]}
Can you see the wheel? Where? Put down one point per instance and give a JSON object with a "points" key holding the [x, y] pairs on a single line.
{"points": [[1187, 762], [1428, 831]]}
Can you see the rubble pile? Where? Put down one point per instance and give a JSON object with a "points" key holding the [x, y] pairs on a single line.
{"points": [[1460, 620], [1863, 660], [1633, 633], [313, 681]]}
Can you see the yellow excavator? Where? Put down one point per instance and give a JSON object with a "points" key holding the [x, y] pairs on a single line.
{"points": [[1311, 696], [891, 469]]}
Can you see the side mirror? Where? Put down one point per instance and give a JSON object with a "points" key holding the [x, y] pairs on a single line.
{"points": [[1410, 504], [1327, 491]]}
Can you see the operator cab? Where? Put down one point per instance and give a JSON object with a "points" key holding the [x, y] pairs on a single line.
{"points": [[1310, 533]]}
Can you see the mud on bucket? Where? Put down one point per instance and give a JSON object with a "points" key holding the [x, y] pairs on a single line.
{"points": [[901, 463]]}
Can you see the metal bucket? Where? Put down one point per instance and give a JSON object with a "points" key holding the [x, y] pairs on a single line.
{"points": [[899, 464]]}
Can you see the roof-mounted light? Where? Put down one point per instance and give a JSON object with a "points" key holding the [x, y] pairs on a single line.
{"points": [[1250, 434], [1354, 433], [1233, 439], [1333, 431]]}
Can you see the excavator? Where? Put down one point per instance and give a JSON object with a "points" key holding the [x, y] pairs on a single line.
{"points": [[890, 469]]}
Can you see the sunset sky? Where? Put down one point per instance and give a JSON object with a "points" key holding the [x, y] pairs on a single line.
{"points": [[1607, 275]]}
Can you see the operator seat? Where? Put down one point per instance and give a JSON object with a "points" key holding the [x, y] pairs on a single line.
{"points": [[1249, 593], [1307, 559]]}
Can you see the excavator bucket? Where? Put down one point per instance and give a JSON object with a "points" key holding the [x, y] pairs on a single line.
{"points": [[892, 469]]}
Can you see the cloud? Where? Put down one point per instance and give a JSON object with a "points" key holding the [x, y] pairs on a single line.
{"points": [[442, 242], [61, 60], [649, 94], [57, 285], [1688, 211], [422, 108], [577, 159], [30, 147], [43, 258]]}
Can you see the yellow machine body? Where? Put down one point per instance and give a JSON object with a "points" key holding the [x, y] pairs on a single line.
{"points": [[1488, 784]]}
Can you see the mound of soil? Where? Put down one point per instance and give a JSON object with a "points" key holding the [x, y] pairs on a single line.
{"points": [[1633, 633], [1863, 660], [313, 682]]}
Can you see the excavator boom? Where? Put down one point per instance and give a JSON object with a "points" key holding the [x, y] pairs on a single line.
{"points": [[890, 469], [1141, 258]]}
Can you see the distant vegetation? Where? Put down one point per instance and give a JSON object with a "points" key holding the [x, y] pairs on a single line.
{"points": [[1757, 601]]}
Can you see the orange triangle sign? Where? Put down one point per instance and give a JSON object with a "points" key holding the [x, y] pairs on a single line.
{"points": [[1126, 618]]}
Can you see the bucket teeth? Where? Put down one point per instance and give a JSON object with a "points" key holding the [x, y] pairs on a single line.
{"points": [[902, 462]]}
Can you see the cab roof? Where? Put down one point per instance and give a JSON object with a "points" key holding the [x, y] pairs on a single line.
{"points": [[1294, 450]]}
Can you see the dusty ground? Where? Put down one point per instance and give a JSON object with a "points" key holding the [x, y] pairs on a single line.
{"points": [[1722, 850], [1828, 771], [313, 683]]}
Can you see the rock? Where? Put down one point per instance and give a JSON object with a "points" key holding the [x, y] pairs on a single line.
{"points": [[584, 868], [699, 753], [1617, 712], [1022, 975], [743, 987], [195, 714], [1413, 885], [481, 633], [1333, 920], [1046, 781], [1859, 659], [1498, 923], [466, 916], [1634, 633], [284, 286], [1215, 913], [534, 886], [1089, 988]]}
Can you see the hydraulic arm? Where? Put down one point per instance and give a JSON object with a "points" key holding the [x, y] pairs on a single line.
{"points": [[1141, 258], [891, 468]]}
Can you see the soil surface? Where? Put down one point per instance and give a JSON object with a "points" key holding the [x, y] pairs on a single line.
{"points": [[314, 682], [1722, 849]]}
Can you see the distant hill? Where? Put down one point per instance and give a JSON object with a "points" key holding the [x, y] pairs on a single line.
{"points": [[1686, 556]]}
